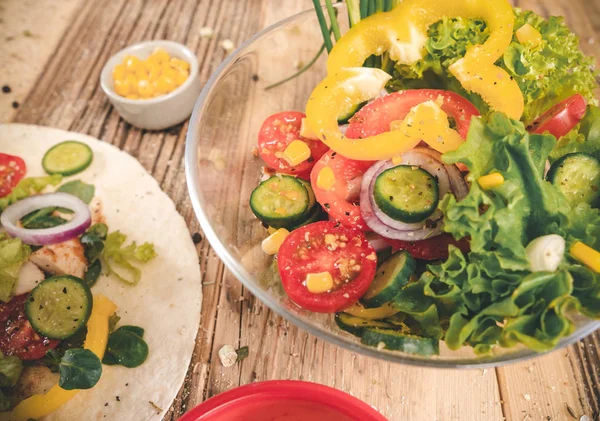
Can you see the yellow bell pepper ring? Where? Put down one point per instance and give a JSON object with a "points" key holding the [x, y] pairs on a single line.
{"points": [[403, 33], [39, 406]]}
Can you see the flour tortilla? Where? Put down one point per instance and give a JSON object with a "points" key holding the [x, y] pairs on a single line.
{"points": [[166, 302]]}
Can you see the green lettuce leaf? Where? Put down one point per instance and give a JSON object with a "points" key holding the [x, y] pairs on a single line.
{"points": [[28, 186], [546, 74], [13, 253], [119, 258], [488, 297]]}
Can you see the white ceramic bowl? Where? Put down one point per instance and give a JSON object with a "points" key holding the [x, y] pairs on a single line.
{"points": [[163, 111]]}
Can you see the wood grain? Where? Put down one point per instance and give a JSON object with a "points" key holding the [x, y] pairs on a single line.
{"points": [[62, 91]]}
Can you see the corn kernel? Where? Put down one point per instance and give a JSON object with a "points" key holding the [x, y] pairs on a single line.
{"points": [[145, 89], [586, 255], [296, 152], [306, 131], [280, 211], [490, 181], [122, 87], [153, 70], [119, 72], [132, 96], [180, 77], [318, 283], [527, 34], [396, 160], [165, 84], [132, 81], [179, 64], [131, 63], [326, 178], [271, 244], [159, 56], [142, 71]]}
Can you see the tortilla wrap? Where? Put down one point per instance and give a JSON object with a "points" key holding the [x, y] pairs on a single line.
{"points": [[167, 300]]}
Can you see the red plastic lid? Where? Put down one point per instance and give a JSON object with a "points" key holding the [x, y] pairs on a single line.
{"points": [[283, 400]]}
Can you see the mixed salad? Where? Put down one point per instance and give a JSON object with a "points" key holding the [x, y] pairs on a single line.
{"points": [[444, 181], [55, 333]]}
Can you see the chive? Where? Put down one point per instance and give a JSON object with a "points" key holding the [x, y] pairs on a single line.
{"points": [[379, 6], [353, 11], [333, 20], [388, 5], [364, 8], [299, 72], [323, 24]]}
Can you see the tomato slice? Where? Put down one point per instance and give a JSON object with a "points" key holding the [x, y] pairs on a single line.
{"points": [[560, 119], [375, 118], [12, 170], [17, 337], [433, 248], [276, 133], [341, 201], [326, 247]]}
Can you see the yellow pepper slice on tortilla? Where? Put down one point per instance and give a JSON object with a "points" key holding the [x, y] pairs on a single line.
{"points": [[39, 406], [402, 32]]}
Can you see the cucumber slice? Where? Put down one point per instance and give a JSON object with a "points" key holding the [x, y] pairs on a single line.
{"points": [[400, 341], [312, 200], [59, 307], [316, 215], [67, 158], [280, 202], [406, 193], [356, 325], [391, 276], [346, 116], [577, 176]]}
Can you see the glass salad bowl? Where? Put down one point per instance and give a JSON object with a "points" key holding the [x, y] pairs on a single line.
{"points": [[222, 169]]}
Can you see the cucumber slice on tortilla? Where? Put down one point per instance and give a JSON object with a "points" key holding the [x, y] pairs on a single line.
{"points": [[67, 158], [59, 306]]}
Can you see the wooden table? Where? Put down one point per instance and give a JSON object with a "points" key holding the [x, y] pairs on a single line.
{"points": [[51, 54]]}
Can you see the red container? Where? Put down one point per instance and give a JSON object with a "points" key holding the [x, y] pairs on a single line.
{"points": [[283, 400]]}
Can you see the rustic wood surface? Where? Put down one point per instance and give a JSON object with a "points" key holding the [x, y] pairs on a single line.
{"points": [[51, 54]]}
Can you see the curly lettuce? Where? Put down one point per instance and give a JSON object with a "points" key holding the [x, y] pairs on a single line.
{"points": [[13, 253], [488, 296], [118, 258], [546, 74], [28, 186]]}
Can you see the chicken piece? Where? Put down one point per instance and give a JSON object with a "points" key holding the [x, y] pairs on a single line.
{"points": [[66, 258], [35, 380], [29, 276], [96, 210]]}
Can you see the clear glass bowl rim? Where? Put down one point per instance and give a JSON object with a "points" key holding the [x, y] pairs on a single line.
{"points": [[235, 267]]}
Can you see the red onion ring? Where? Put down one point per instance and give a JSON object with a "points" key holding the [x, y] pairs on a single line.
{"points": [[382, 224], [376, 241], [80, 222]]}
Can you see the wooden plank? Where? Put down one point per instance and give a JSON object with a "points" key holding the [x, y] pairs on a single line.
{"points": [[232, 315]]}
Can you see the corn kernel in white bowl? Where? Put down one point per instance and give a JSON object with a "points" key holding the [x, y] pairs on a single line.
{"points": [[162, 111]]}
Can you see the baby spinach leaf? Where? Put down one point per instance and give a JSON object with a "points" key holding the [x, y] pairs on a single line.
{"points": [[92, 245], [113, 321], [92, 273], [100, 230], [126, 347], [79, 189], [79, 369]]}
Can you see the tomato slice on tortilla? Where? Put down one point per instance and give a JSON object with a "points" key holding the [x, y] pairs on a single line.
{"points": [[433, 248], [276, 133], [326, 246], [17, 337], [12, 170], [341, 201]]}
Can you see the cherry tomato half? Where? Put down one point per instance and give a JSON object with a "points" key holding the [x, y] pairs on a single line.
{"points": [[375, 118], [17, 337], [433, 248], [560, 119], [326, 247], [341, 201], [12, 170], [276, 133]]}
